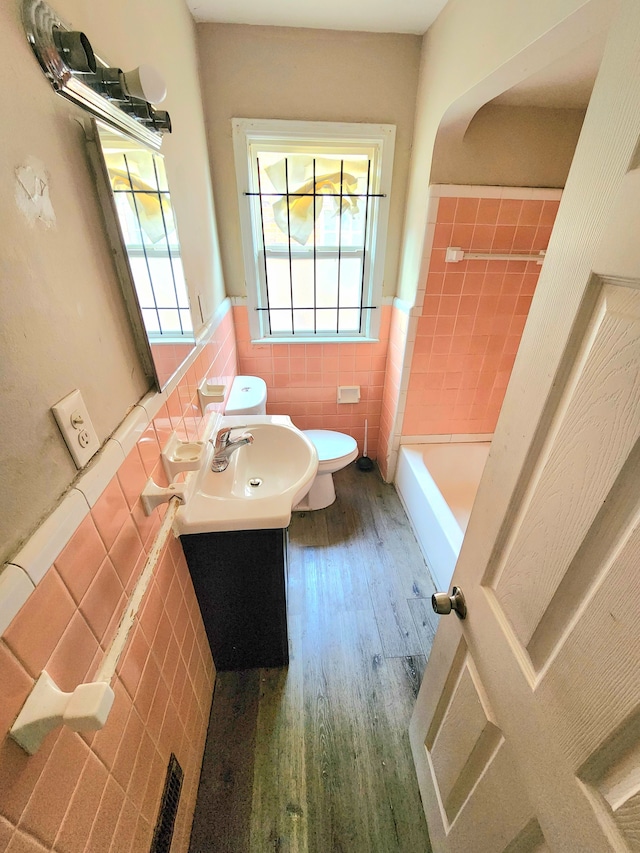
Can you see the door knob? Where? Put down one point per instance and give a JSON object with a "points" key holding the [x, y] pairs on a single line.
{"points": [[443, 604]]}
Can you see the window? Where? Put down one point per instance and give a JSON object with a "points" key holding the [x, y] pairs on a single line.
{"points": [[314, 202]]}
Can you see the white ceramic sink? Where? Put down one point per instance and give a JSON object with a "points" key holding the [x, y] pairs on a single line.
{"points": [[262, 483]]}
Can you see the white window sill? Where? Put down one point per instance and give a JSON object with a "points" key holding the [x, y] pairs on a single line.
{"points": [[316, 339]]}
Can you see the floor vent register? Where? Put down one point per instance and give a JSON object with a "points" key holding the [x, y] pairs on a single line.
{"points": [[168, 808]]}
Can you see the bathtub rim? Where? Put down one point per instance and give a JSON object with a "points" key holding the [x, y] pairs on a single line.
{"points": [[412, 475]]}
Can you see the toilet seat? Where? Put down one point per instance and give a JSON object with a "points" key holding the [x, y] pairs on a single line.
{"points": [[335, 449]]}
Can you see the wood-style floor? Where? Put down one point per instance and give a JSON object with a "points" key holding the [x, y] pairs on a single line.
{"points": [[315, 758]]}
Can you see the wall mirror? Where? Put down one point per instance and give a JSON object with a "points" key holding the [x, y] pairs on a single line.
{"points": [[141, 225]]}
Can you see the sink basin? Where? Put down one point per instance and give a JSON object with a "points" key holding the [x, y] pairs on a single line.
{"points": [[262, 483]]}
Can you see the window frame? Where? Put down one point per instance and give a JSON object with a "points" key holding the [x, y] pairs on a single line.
{"points": [[249, 133]]}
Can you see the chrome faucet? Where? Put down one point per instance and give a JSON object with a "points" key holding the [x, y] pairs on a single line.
{"points": [[223, 447]]}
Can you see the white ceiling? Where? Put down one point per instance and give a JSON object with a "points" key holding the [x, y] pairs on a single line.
{"points": [[378, 16]]}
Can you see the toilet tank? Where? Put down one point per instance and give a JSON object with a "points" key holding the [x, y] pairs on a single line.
{"points": [[248, 396]]}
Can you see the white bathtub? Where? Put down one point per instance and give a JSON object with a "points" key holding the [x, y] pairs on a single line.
{"points": [[437, 484]]}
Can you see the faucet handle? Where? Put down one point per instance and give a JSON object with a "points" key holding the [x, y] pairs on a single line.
{"points": [[223, 435]]}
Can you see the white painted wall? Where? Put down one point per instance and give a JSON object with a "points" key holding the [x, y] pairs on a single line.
{"points": [[509, 146], [63, 324], [310, 75], [472, 53]]}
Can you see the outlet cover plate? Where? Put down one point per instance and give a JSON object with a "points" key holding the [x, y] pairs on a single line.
{"points": [[76, 428]]}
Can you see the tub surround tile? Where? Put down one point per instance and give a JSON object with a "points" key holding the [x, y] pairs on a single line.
{"points": [[474, 311]]}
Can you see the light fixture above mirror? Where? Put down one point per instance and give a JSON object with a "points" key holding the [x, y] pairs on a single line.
{"points": [[124, 140], [124, 99]]}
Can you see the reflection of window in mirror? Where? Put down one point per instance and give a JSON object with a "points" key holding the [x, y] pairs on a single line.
{"points": [[141, 200]]}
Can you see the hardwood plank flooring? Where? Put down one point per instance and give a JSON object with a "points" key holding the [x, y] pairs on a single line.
{"points": [[315, 757]]}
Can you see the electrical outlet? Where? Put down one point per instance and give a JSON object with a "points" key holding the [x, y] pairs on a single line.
{"points": [[76, 428]]}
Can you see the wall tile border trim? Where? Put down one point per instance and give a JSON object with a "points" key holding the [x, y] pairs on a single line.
{"points": [[15, 588], [50, 538], [95, 481], [478, 191], [20, 575], [131, 429]]}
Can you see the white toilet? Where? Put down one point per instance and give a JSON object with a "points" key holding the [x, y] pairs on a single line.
{"points": [[248, 396]]}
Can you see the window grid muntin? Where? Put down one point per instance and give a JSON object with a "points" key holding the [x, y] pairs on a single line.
{"points": [[180, 311], [364, 251]]}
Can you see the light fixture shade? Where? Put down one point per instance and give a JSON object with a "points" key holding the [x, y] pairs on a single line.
{"points": [[147, 83]]}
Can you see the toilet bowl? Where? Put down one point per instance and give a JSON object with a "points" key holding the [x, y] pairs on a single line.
{"points": [[335, 451], [248, 396]]}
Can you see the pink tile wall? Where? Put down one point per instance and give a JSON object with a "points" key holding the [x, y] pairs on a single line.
{"points": [[473, 313], [168, 358], [101, 792], [302, 380]]}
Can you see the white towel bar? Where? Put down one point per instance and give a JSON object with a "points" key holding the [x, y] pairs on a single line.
{"points": [[454, 255]]}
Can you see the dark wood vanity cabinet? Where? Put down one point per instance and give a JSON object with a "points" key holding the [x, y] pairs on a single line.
{"points": [[240, 582]]}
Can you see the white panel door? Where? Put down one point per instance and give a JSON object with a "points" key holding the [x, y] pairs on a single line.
{"points": [[526, 732]]}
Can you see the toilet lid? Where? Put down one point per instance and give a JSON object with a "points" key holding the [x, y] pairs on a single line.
{"points": [[330, 444]]}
